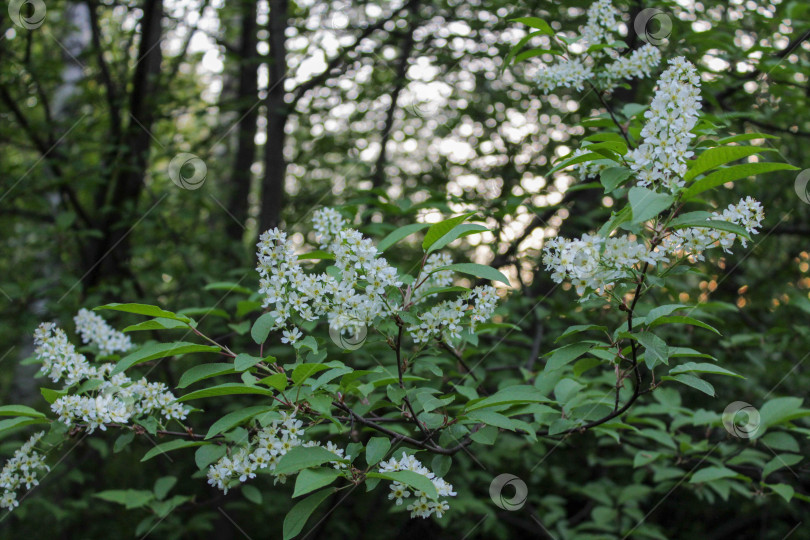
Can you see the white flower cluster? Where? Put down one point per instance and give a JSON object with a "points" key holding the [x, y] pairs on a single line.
{"points": [[422, 506], [603, 20], [692, 242], [636, 65], [93, 329], [568, 73], [596, 263], [447, 319], [265, 451], [117, 399], [440, 278], [661, 157], [354, 299], [21, 470], [590, 169]]}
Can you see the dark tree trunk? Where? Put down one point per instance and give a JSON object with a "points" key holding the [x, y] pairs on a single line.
{"points": [[112, 252], [246, 134], [275, 166]]}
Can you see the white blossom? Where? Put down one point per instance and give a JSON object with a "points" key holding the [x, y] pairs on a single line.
{"points": [[421, 505], [660, 160], [93, 329], [20, 471]]}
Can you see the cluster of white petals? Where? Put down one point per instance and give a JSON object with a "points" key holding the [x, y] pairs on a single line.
{"points": [[116, 398], [434, 278], [692, 242], [21, 471], [422, 505], [636, 65], [447, 319], [574, 72], [660, 160], [264, 452], [571, 73], [353, 298], [93, 329], [595, 263]]}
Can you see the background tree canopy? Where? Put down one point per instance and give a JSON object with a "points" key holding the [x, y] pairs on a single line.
{"points": [[145, 145]]}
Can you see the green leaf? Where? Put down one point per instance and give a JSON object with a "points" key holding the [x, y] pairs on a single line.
{"points": [[410, 478], [234, 419], [520, 44], [730, 174], [204, 371], [612, 177], [720, 155], [316, 255], [153, 351], [163, 486], [783, 490], [160, 323], [297, 517], [745, 137], [303, 457], [438, 230], [477, 270], [535, 22], [564, 355], [261, 328], [376, 449], [702, 367], [646, 203], [227, 389], [655, 347], [590, 156], [168, 447], [708, 474], [780, 461], [144, 309], [130, 498], [779, 410], [459, 231], [303, 372], [277, 381], [694, 382], [209, 453], [662, 311], [52, 395], [309, 480], [399, 234], [245, 361], [679, 319], [20, 410], [13, 423], [229, 286], [252, 493], [716, 224]]}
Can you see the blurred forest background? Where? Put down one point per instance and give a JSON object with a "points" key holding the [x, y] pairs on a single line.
{"points": [[403, 111]]}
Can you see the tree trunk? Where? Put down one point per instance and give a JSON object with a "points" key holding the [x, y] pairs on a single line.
{"points": [[246, 134], [111, 254], [275, 165]]}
